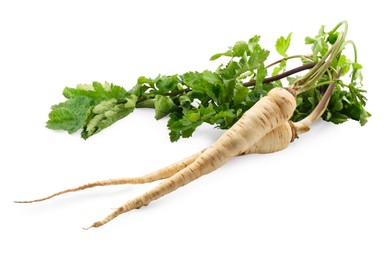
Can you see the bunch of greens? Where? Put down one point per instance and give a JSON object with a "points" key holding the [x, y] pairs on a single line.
{"points": [[217, 97]]}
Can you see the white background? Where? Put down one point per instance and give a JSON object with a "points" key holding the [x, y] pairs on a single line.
{"points": [[324, 197]]}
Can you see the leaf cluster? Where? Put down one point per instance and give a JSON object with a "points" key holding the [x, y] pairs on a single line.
{"points": [[348, 99], [91, 108], [215, 97]]}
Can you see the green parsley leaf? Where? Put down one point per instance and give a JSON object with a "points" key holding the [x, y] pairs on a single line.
{"points": [[163, 106], [70, 115], [239, 49], [283, 44], [167, 83], [281, 67], [309, 40], [106, 113], [91, 107], [97, 91], [217, 97]]}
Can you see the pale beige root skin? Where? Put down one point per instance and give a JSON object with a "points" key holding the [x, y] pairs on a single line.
{"points": [[270, 112], [160, 174], [274, 141]]}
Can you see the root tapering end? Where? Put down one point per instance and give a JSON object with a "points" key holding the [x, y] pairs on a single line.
{"points": [[26, 201], [94, 225], [32, 201]]}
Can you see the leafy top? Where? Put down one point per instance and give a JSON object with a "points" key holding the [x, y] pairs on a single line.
{"points": [[217, 97]]}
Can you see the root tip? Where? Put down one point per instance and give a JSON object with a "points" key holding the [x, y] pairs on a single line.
{"points": [[94, 225], [27, 201], [22, 201]]}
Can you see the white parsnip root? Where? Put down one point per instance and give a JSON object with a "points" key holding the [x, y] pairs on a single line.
{"points": [[267, 114]]}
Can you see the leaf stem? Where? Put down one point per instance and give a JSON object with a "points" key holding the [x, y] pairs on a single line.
{"points": [[282, 75], [146, 100], [308, 80], [354, 49], [304, 125], [288, 58], [355, 57], [345, 23]]}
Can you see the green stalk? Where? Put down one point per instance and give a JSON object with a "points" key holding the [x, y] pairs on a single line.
{"points": [[309, 79], [354, 57], [288, 58], [304, 125], [345, 23]]}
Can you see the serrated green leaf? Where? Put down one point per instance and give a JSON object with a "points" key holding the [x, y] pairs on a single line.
{"points": [[174, 136], [231, 71], [253, 43], [357, 75], [212, 78], [185, 100], [194, 80], [131, 101], [364, 115], [319, 47], [70, 115], [309, 40], [276, 71], [240, 94], [260, 76], [312, 100], [332, 37], [328, 115], [321, 32], [279, 68], [163, 106], [239, 48], [356, 66], [104, 106], [183, 125], [145, 80], [207, 112], [257, 59], [213, 57], [283, 44], [91, 107], [228, 53], [97, 91], [167, 83], [338, 118], [224, 119], [206, 83], [106, 113], [338, 106], [85, 87], [191, 116], [345, 64]]}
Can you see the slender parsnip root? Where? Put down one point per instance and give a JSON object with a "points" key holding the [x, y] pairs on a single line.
{"points": [[160, 174], [276, 140], [271, 111]]}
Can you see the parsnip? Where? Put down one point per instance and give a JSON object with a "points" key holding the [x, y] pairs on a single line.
{"points": [[264, 128]]}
